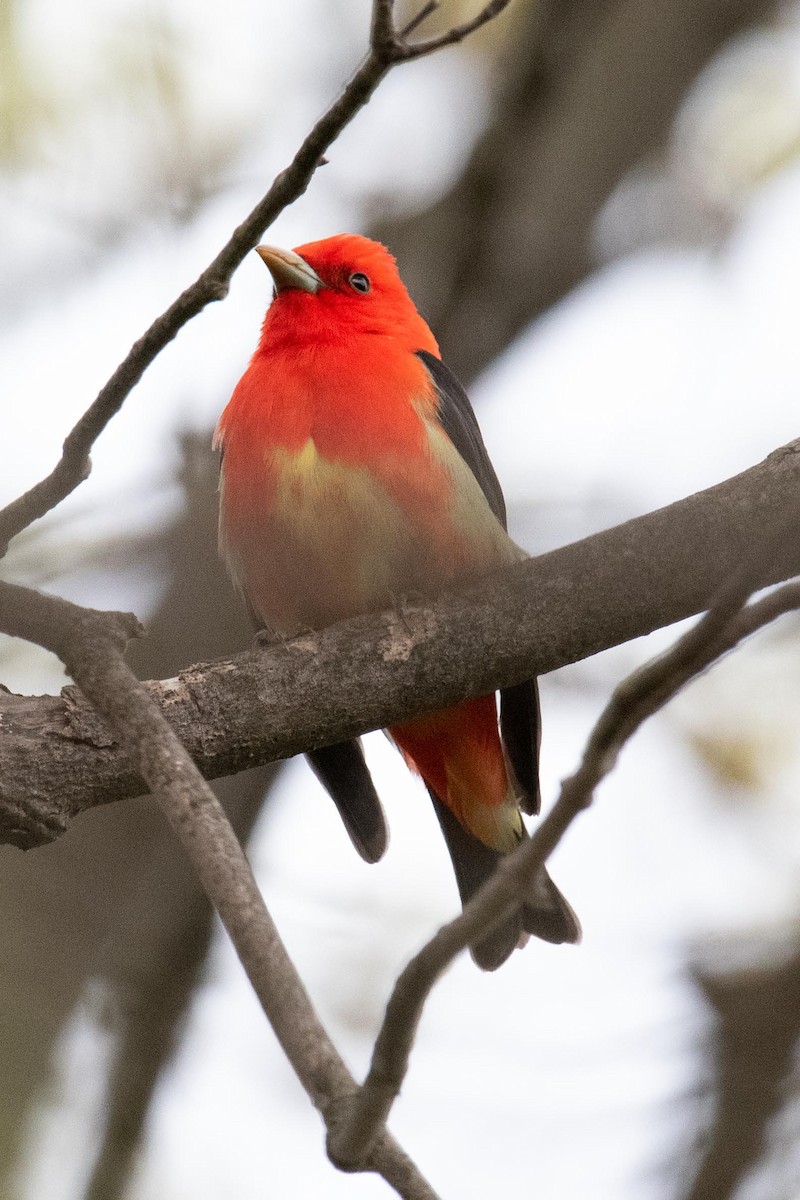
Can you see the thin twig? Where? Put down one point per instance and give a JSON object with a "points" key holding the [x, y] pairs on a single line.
{"points": [[382, 34], [387, 48], [457, 34], [649, 688], [638, 697], [426, 11]]}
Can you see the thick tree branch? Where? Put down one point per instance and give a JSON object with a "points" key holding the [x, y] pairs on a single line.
{"points": [[89, 643], [638, 697], [540, 615], [388, 46]]}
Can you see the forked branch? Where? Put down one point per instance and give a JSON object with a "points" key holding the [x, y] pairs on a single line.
{"points": [[638, 697]]}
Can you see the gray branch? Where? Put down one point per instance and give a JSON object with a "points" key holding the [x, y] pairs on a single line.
{"points": [[387, 48], [90, 645], [58, 757], [638, 697]]}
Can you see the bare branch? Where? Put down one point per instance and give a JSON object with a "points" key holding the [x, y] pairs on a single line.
{"points": [[638, 697], [502, 631], [379, 669], [426, 11], [386, 49], [383, 35], [454, 35], [354, 1124], [89, 643], [523, 602]]}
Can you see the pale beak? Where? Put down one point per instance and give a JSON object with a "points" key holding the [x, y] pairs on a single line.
{"points": [[289, 270]]}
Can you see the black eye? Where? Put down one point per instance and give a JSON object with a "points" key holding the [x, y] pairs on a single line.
{"points": [[359, 282]]}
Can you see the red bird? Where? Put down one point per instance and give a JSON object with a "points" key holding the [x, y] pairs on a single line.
{"points": [[353, 472]]}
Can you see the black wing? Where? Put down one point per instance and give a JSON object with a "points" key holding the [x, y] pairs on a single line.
{"points": [[519, 706], [345, 776], [458, 420]]}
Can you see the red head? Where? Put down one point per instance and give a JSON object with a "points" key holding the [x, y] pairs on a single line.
{"points": [[342, 286]]}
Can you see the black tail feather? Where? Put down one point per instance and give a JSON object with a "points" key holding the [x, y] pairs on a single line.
{"points": [[545, 914]]}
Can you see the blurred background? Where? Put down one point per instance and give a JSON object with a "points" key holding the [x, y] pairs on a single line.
{"points": [[595, 203]]}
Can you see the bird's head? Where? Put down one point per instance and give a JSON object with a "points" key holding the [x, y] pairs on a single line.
{"points": [[337, 288]]}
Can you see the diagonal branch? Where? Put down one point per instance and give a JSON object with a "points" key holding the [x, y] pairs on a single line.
{"points": [[90, 644], [376, 670], [426, 11], [638, 697], [454, 35], [387, 48]]}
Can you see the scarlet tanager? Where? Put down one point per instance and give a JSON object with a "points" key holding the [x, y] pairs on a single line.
{"points": [[353, 473]]}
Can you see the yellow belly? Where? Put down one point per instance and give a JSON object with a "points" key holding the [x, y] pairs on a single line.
{"points": [[335, 541]]}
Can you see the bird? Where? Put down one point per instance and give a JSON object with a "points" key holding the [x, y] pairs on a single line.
{"points": [[353, 473]]}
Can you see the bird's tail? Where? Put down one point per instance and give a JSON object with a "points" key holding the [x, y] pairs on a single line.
{"points": [[459, 754], [545, 913]]}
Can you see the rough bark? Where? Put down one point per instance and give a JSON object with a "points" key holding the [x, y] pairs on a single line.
{"points": [[535, 617]]}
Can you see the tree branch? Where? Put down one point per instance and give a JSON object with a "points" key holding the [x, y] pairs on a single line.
{"points": [[586, 91], [90, 643], [638, 697], [388, 47], [375, 670], [454, 35], [426, 11]]}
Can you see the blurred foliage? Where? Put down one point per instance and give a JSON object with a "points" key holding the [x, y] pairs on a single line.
{"points": [[738, 127], [757, 1009], [741, 717], [738, 762], [22, 107], [92, 154]]}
